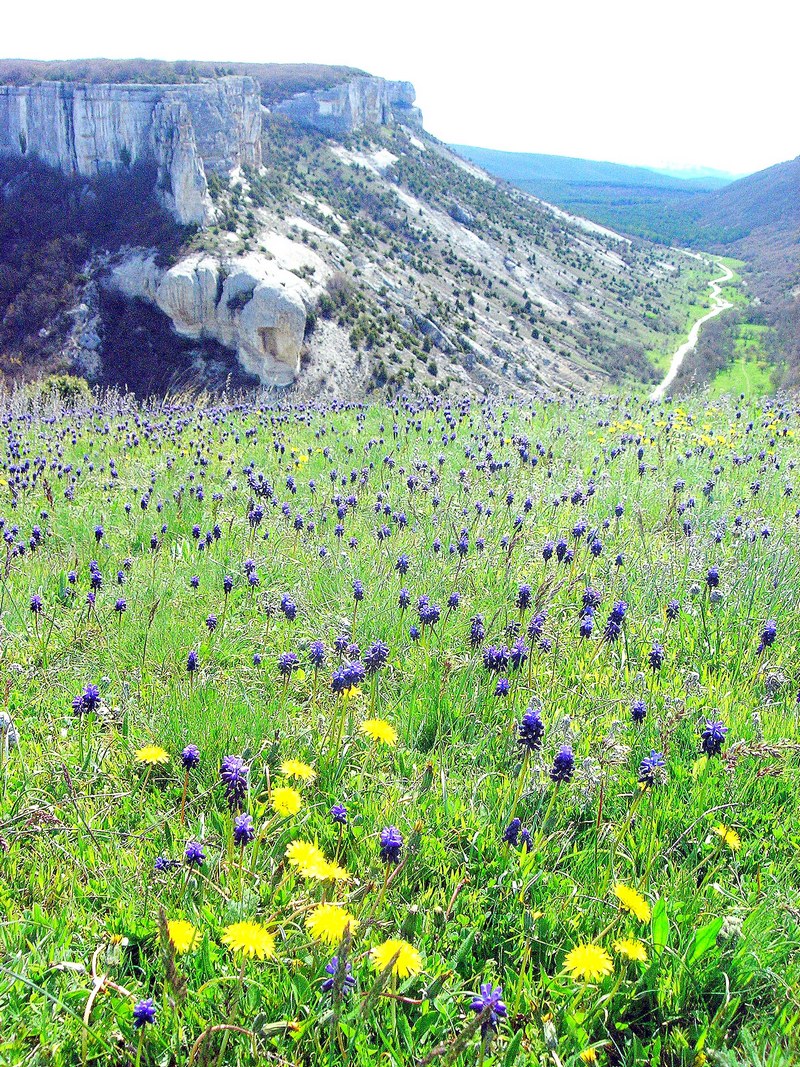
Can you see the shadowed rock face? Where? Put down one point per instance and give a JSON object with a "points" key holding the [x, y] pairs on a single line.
{"points": [[356, 103], [186, 130]]}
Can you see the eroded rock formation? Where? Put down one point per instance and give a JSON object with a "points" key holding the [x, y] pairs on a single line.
{"points": [[186, 132], [245, 303]]}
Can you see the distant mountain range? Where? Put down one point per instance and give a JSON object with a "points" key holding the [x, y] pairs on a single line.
{"points": [[633, 200], [535, 167]]}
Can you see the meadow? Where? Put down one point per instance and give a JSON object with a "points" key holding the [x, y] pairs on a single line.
{"points": [[426, 733]]}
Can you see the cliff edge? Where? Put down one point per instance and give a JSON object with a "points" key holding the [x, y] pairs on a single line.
{"points": [[185, 131]]}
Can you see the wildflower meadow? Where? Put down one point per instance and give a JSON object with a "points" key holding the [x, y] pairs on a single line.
{"points": [[437, 732]]}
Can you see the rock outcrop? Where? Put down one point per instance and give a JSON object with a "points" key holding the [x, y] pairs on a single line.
{"points": [[185, 130], [245, 303], [362, 101]]}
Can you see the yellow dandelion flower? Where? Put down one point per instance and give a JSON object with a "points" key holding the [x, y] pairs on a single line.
{"points": [[183, 935], [319, 869], [631, 949], [728, 836], [286, 801], [303, 854], [151, 754], [633, 902], [327, 922], [408, 960], [337, 873], [588, 962], [589, 1055], [294, 768], [251, 939], [379, 730]]}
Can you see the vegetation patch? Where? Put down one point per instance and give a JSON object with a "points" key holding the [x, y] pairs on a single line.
{"points": [[441, 731]]}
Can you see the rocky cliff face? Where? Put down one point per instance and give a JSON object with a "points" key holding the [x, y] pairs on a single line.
{"points": [[359, 102], [246, 303], [185, 130]]}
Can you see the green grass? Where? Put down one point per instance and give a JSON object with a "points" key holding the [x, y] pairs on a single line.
{"points": [[750, 373], [82, 823], [693, 306], [735, 264], [745, 375]]}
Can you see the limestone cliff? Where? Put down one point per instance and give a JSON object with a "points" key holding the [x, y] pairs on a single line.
{"points": [[359, 102], [247, 303], [184, 130], [384, 259]]}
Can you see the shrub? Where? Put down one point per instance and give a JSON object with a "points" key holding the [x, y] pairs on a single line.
{"points": [[69, 388]]}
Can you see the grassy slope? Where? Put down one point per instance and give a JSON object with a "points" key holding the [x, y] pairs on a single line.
{"points": [[82, 823], [524, 295], [693, 307]]}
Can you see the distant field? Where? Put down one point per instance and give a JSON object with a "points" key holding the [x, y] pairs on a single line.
{"points": [[750, 372], [746, 376]]}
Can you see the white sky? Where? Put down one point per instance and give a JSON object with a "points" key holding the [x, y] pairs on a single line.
{"points": [[676, 84]]}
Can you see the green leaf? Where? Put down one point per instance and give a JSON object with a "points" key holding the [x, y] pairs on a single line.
{"points": [[513, 1049], [659, 926], [704, 939], [465, 948], [405, 1031], [425, 1023], [699, 766]]}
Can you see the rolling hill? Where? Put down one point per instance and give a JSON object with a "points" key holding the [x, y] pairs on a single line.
{"points": [[536, 167], [761, 216]]}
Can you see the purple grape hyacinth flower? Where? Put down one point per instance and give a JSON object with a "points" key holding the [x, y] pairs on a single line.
{"points": [[332, 969], [563, 765], [713, 737], [144, 1013], [190, 757], [489, 1001], [391, 844], [194, 854], [243, 830], [234, 773]]}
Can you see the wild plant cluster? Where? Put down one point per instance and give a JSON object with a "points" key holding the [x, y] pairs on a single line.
{"points": [[432, 733]]}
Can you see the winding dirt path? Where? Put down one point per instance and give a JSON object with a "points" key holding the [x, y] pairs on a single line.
{"points": [[718, 305]]}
